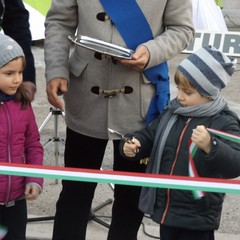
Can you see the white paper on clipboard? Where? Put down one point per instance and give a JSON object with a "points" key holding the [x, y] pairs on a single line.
{"points": [[102, 46]]}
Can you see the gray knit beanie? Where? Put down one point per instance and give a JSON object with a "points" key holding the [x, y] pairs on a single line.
{"points": [[9, 50], [208, 69]]}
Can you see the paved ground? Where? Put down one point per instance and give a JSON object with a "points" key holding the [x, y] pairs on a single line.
{"points": [[54, 129]]}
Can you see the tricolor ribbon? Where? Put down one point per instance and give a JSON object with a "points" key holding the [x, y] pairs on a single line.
{"points": [[193, 149], [192, 169], [124, 178]]}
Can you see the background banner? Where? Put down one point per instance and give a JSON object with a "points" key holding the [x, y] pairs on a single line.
{"points": [[227, 42], [37, 12]]}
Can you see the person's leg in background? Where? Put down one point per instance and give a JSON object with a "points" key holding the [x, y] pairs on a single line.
{"points": [[126, 217], [74, 203], [15, 218]]}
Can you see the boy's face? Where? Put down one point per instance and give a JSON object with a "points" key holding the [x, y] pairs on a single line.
{"points": [[11, 76], [190, 97]]}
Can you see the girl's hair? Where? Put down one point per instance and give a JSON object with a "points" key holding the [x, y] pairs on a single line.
{"points": [[22, 94], [182, 80]]}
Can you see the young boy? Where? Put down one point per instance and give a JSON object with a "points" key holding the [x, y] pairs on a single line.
{"points": [[198, 107]]}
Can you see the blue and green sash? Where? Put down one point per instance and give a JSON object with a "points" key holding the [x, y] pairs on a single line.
{"points": [[130, 21]]}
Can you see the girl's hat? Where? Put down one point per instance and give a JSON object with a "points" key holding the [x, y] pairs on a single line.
{"points": [[9, 50], [208, 69]]}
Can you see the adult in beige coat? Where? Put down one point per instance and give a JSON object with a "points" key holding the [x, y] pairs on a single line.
{"points": [[89, 115]]}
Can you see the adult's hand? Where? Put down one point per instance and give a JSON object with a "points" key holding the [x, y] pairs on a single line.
{"points": [[56, 87], [31, 89], [139, 60]]}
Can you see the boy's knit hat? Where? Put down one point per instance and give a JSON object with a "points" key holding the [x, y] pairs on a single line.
{"points": [[9, 50], [208, 69]]}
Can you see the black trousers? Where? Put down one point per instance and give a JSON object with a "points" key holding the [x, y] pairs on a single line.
{"points": [[74, 203], [14, 218], [172, 233]]}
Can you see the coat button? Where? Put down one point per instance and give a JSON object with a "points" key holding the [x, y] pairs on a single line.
{"points": [[102, 16], [214, 141], [98, 55]]}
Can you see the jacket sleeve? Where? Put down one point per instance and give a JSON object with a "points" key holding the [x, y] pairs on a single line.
{"points": [[16, 25], [178, 33], [58, 25]]}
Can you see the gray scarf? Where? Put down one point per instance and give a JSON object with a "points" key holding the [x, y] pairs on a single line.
{"points": [[148, 195]]}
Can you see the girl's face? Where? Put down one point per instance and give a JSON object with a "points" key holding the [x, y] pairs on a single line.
{"points": [[11, 76], [190, 97]]}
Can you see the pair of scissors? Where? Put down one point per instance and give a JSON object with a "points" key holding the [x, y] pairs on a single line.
{"points": [[129, 140], [116, 132]]}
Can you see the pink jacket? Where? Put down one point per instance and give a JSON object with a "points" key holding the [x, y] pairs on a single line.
{"points": [[19, 143]]}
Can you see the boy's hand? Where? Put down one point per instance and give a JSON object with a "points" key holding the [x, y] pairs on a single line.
{"points": [[131, 147], [32, 191], [202, 138]]}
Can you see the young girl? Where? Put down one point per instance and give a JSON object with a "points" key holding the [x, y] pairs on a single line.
{"points": [[19, 142], [198, 106]]}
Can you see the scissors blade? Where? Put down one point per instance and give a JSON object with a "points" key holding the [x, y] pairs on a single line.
{"points": [[116, 132]]}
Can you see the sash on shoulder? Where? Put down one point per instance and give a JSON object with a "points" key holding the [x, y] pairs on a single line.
{"points": [[130, 21]]}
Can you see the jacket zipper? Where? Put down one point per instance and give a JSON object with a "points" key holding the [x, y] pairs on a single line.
{"points": [[9, 133], [173, 166]]}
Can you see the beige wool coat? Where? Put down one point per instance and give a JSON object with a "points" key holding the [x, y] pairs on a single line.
{"points": [[87, 112]]}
